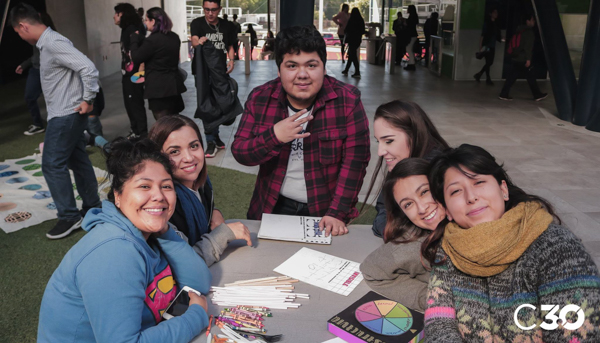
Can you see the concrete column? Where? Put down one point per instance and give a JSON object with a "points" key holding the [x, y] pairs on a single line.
{"points": [[176, 11], [69, 18], [562, 75], [296, 12], [588, 102]]}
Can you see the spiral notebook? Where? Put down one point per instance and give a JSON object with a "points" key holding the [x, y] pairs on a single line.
{"points": [[292, 228]]}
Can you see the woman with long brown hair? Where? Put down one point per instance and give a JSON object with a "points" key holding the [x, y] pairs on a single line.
{"points": [[402, 129], [195, 213], [396, 269]]}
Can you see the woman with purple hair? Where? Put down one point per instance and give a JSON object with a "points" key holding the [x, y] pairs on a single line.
{"points": [[160, 52]]}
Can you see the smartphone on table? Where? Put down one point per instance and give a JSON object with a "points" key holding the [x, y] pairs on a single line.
{"points": [[180, 304]]}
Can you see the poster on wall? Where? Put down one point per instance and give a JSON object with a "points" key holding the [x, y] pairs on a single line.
{"points": [[25, 199]]}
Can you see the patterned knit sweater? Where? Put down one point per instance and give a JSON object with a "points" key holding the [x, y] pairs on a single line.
{"points": [[554, 270]]}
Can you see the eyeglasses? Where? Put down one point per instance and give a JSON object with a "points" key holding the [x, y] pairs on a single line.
{"points": [[212, 9]]}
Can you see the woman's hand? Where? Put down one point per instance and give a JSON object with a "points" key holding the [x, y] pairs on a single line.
{"points": [[216, 219], [198, 300], [241, 232]]}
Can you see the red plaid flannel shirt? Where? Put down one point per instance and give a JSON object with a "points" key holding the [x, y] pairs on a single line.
{"points": [[336, 153]]}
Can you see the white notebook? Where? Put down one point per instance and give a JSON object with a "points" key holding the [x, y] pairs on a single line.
{"points": [[292, 228]]}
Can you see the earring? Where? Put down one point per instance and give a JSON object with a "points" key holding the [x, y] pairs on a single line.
{"points": [[117, 204], [505, 196]]}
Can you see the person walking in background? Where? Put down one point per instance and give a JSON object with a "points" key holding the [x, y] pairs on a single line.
{"points": [[33, 86], [399, 27], [520, 49], [411, 28], [160, 53], [69, 83], [487, 44], [341, 20], [355, 29], [223, 36], [430, 28], [238, 30], [129, 21], [269, 48], [253, 39]]}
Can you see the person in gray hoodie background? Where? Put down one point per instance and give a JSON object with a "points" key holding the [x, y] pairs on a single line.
{"points": [[520, 49]]}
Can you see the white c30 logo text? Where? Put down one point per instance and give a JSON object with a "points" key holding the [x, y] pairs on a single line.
{"points": [[551, 316]]}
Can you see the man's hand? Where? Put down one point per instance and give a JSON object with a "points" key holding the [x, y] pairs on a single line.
{"points": [[19, 70], [332, 225], [84, 108], [289, 129], [202, 40], [230, 66], [241, 232], [216, 219], [527, 64]]}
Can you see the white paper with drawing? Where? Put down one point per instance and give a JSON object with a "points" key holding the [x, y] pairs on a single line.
{"points": [[322, 270], [292, 228]]}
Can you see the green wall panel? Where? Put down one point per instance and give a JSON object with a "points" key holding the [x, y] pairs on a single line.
{"points": [[573, 6], [447, 65], [472, 14]]}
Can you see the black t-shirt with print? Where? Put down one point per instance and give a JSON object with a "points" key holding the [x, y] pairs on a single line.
{"points": [[125, 42], [222, 35]]}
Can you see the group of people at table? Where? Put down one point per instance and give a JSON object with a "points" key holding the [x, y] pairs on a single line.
{"points": [[462, 242]]}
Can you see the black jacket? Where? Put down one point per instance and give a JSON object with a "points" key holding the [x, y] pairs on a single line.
{"points": [[160, 52], [355, 29], [216, 91]]}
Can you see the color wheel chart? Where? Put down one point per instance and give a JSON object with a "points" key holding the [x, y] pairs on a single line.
{"points": [[384, 317]]}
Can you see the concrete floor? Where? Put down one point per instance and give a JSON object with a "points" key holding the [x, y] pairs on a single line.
{"points": [[542, 154]]}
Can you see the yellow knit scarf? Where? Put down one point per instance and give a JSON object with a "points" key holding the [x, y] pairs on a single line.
{"points": [[489, 248]]}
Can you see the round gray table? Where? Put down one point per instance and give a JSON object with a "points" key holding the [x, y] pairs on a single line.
{"points": [[307, 324]]}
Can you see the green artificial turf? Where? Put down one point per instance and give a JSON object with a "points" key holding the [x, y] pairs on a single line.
{"points": [[28, 258]]}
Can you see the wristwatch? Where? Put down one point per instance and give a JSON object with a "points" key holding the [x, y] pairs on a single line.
{"points": [[90, 102]]}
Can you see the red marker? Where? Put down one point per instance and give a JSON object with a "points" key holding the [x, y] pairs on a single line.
{"points": [[209, 325]]}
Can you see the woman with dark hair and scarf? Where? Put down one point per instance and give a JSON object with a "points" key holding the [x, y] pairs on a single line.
{"points": [[160, 53], [502, 248]]}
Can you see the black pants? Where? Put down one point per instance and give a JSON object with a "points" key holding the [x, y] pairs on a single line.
{"points": [[343, 45], [290, 207], [400, 48], [353, 58], [517, 69], [236, 48], [489, 60], [133, 97]]}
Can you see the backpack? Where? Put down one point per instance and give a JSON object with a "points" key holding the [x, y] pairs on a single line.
{"points": [[514, 44]]}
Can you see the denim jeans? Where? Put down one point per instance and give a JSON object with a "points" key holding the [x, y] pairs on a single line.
{"points": [[33, 90], [211, 136], [64, 149]]}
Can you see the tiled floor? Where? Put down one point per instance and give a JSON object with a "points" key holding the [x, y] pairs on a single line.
{"points": [[544, 155]]}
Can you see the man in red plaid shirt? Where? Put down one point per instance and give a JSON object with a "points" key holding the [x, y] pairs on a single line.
{"points": [[309, 134]]}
